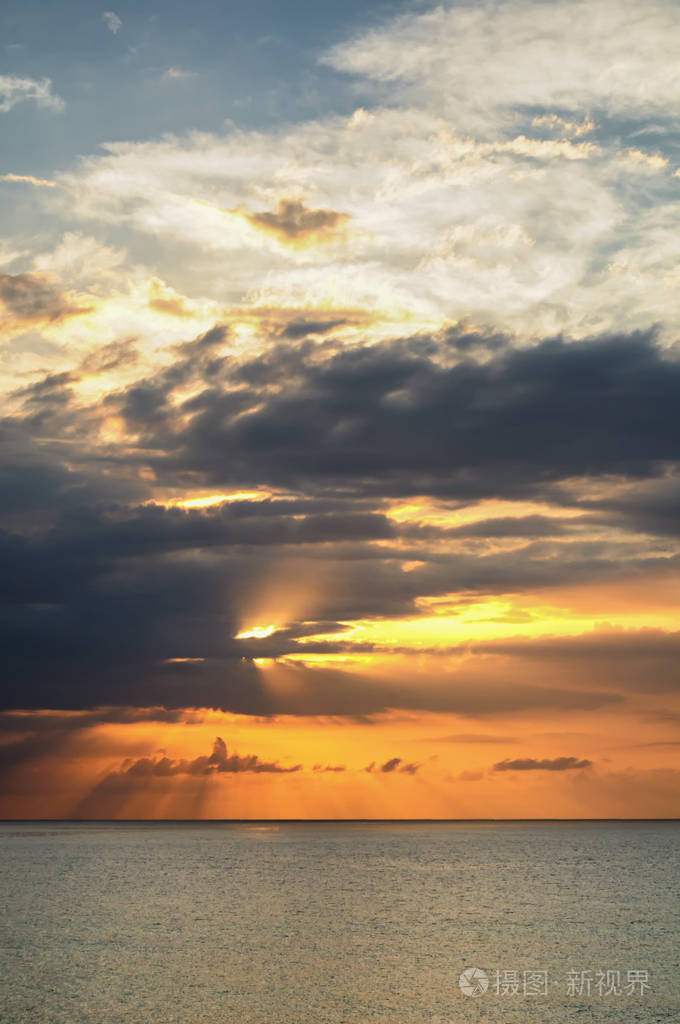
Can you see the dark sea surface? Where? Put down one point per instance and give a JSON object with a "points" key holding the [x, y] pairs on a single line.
{"points": [[209, 923]]}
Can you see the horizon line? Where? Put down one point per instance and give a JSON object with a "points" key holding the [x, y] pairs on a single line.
{"points": [[326, 821]]}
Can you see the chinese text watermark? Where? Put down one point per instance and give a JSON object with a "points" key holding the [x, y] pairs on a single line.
{"points": [[601, 983]]}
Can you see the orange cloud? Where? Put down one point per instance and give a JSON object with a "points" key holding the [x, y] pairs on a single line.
{"points": [[28, 179]]}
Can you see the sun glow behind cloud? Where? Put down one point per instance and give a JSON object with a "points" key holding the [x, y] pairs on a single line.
{"points": [[256, 633]]}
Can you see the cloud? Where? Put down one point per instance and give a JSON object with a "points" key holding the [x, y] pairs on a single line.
{"points": [[34, 736], [33, 297], [301, 328], [505, 224], [29, 180], [105, 589], [642, 660], [113, 356], [393, 765], [146, 777], [561, 126], [530, 764], [410, 417], [468, 776], [217, 763], [544, 55], [79, 258], [112, 21], [14, 89], [475, 199], [651, 507], [292, 222]]}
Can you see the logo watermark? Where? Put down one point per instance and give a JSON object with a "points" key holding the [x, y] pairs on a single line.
{"points": [[473, 981]]}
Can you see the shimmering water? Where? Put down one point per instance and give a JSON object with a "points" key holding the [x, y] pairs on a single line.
{"points": [[294, 924]]}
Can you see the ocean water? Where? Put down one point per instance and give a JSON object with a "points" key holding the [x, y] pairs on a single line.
{"points": [[212, 923]]}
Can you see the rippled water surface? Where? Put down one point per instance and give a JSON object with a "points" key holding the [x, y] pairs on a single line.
{"points": [[332, 923]]}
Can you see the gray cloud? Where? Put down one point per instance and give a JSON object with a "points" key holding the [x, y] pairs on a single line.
{"points": [[530, 764], [32, 297], [394, 764], [295, 329], [216, 763], [109, 797], [414, 416]]}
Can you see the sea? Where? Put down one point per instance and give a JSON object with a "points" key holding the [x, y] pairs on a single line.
{"points": [[340, 922]]}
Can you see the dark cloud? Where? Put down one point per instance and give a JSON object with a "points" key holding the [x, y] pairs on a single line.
{"points": [[32, 297], [293, 221], [114, 650], [100, 590], [216, 763], [149, 777], [416, 416], [393, 765], [510, 526], [30, 736], [413, 416], [302, 328], [110, 357], [653, 507], [38, 483], [530, 764], [153, 529], [92, 610], [646, 660], [475, 340], [69, 722]]}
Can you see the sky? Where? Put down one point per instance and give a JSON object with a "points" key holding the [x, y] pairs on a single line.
{"points": [[340, 410]]}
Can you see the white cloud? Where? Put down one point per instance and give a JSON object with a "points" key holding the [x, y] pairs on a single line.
{"points": [[479, 60], [9, 254], [112, 21], [15, 90], [79, 259], [506, 224]]}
